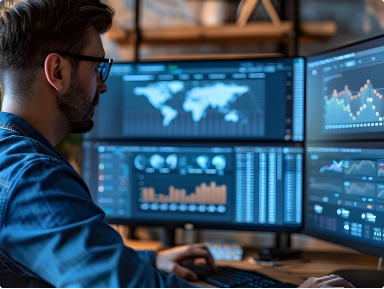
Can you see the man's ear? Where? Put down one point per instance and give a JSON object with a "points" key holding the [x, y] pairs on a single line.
{"points": [[57, 71]]}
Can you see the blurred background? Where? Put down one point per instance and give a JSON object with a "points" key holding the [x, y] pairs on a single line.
{"points": [[147, 30]]}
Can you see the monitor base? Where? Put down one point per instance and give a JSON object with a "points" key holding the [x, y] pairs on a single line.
{"points": [[168, 238], [282, 250], [363, 278]]}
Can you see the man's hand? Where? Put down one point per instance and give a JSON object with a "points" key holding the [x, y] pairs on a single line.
{"points": [[327, 281], [170, 260]]}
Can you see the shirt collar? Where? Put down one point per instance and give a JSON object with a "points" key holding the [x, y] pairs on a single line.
{"points": [[20, 126]]}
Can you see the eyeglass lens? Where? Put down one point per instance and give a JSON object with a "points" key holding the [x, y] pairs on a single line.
{"points": [[104, 71]]}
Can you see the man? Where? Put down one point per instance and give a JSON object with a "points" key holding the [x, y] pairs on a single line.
{"points": [[52, 71]]}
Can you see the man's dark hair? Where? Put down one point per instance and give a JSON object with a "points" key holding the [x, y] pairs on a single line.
{"points": [[32, 29]]}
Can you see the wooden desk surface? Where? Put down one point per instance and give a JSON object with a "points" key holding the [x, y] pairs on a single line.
{"points": [[319, 263]]}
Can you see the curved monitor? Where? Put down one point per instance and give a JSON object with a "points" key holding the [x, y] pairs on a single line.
{"points": [[344, 175], [209, 186], [255, 99]]}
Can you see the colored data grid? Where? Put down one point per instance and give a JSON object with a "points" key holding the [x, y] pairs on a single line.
{"points": [[298, 114], [263, 188]]}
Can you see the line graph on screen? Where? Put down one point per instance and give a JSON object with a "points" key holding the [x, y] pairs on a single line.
{"points": [[326, 186], [347, 106], [359, 189], [334, 167], [360, 168], [380, 192]]}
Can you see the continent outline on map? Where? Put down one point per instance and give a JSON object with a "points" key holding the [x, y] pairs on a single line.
{"points": [[218, 96], [158, 94]]}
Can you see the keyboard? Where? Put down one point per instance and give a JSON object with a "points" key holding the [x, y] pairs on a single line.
{"points": [[228, 277]]}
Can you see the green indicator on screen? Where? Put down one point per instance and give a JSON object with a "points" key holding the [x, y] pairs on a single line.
{"points": [[170, 67]]}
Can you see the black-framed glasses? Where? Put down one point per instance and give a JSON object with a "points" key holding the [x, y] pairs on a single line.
{"points": [[104, 68]]}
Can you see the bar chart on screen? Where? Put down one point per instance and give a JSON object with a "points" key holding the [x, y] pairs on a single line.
{"points": [[205, 198]]}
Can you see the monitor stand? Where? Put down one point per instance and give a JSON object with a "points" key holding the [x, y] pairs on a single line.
{"points": [[363, 278], [282, 250], [168, 238]]}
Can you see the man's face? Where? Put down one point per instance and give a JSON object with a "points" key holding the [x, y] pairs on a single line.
{"points": [[78, 104]]}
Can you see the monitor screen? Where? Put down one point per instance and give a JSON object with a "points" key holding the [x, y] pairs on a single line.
{"points": [[345, 194], [231, 186], [345, 93], [208, 100]]}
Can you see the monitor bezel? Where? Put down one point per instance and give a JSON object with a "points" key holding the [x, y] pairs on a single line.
{"points": [[169, 224], [220, 60], [350, 44]]}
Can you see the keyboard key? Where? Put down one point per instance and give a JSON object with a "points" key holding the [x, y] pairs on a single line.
{"points": [[226, 286], [251, 283]]}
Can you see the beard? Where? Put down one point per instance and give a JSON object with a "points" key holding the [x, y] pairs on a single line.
{"points": [[77, 107]]}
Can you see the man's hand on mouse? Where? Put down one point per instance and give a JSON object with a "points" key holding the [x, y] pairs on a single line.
{"points": [[326, 282], [170, 260]]}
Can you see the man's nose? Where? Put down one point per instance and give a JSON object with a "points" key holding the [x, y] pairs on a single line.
{"points": [[101, 86]]}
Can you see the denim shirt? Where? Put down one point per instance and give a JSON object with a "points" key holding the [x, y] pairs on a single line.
{"points": [[51, 232]]}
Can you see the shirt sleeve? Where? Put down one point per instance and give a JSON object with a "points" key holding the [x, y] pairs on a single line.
{"points": [[149, 256], [51, 227]]}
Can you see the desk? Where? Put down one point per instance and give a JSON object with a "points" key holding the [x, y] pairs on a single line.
{"points": [[319, 263]]}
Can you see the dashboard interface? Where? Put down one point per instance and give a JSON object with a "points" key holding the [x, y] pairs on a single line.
{"points": [[345, 89], [208, 100], [235, 186], [345, 192]]}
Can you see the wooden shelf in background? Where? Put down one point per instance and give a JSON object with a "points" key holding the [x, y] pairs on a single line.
{"points": [[256, 32], [312, 32], [224, 34]]}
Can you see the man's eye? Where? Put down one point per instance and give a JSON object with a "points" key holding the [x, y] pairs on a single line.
{"points": [[98, 68]]}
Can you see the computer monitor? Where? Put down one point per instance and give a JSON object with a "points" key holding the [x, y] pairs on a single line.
{"points": [[345, 93], [255, 99], [206, 185], [345, 194], [344, 175]]}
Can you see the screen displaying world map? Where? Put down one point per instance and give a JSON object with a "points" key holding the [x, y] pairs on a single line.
{"points": [[195, 108], [231, 100], [218, 96]]}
